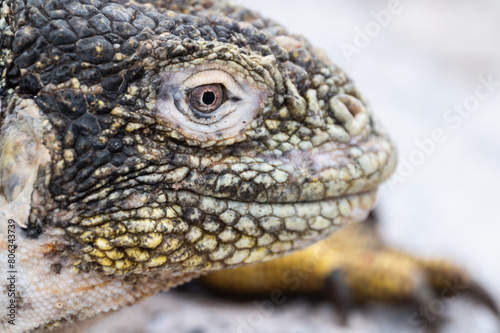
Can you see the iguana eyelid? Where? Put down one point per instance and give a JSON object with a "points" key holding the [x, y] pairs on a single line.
{"points": [[215, 77], [245, 100]]}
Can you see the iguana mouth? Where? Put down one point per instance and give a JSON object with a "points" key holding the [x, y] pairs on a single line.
{"points": [[202, 232], [337, 210]]}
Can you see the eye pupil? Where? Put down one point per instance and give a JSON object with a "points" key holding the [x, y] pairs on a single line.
{"points": [[208, 98]]}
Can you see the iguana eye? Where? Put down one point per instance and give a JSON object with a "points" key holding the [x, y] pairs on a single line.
{"points": [[208, 98], [209, 102]]}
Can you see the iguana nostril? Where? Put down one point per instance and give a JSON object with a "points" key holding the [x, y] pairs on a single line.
{"points": [[351, 112], [354, 106]]}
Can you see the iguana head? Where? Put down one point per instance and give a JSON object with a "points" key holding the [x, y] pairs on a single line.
{"points": [[144, 143]]}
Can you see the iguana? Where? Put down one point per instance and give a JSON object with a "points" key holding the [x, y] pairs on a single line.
{"points": [[145, 143]]}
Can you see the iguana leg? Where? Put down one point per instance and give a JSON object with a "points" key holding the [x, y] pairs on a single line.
{"points": [[357, 260]]}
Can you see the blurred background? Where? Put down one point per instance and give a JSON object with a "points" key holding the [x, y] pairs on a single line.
{"points": [[421, 72]]}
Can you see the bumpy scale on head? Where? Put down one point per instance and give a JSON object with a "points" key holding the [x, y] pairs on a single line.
{"points": [[146, 172]]}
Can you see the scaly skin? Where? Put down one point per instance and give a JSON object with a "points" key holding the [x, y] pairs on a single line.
{"points": [[355, 266], [120, 186]]}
